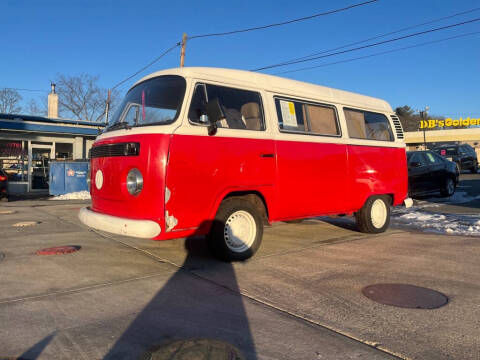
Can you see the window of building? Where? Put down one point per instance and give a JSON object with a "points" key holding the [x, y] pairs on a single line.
{"points": [[14, 159], [242, 108], [368, 125], [303, 117], [63, 151]]}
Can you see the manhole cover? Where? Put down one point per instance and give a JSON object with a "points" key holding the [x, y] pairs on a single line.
{"points": [[199, 349], [26, 223], [59, 250], [6, 212], [406, 296]]}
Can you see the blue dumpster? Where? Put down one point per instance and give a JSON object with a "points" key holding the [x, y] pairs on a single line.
{"points": [[68, 176]]}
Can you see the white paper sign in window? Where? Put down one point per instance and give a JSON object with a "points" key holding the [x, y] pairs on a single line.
{"points": [[288, 113]]}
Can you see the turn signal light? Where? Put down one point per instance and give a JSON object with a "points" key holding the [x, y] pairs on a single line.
{"points": [[3, 178]]}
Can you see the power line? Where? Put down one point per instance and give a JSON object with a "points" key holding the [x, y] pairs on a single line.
{"points": [[379, 53], [283, 22], [383, 35], [241, 31], [148, 65], [21, 89], [369, 45]]}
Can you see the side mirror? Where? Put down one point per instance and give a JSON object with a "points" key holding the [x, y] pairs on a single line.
{"points": [[415, 164], [214, 113]]}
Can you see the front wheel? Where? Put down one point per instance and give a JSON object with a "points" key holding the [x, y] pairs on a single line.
{"points": [[449, 188], [374, 216], [237, 230]]}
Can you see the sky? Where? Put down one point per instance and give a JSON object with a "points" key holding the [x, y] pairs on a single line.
{"points": [[114, 39]]}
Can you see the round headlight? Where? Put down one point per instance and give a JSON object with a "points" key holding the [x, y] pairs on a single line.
{"points": [[134, 182]]}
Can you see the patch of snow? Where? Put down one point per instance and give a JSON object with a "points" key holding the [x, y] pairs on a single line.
{"points": [[459, 197], [79, 195], [453, 224]]}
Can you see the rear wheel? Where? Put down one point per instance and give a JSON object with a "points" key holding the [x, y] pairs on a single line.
{"points": [[237, 230], [374, 216], [449, 188]]}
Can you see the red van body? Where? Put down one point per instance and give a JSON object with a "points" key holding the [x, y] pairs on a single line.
{"points": [[187, 172]]}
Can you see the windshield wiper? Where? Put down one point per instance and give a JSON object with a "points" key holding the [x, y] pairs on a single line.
{"points": [[120, 125]]}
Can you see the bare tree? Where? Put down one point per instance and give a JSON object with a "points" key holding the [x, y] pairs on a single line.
{"points": [[9, 101], [35, 109], [82, 98]]}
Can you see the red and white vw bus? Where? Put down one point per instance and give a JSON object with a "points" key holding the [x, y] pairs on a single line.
{"points": [[218, 152]]}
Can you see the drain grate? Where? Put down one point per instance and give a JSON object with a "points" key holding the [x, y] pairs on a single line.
{"points": [[201, 349], [405, 296], [59, 250]]}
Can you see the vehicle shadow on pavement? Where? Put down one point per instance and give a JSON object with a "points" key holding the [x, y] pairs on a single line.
{"points": [[36, 350], [190, 308]]}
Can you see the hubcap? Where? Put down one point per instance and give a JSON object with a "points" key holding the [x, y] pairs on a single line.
{"points": [[450, 186], [240, 231], [378, 213]]}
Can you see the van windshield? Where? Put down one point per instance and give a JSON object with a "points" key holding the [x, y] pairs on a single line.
{"points": [[154, 101]]}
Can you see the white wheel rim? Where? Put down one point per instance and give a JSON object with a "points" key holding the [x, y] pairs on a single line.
{"points": [[240, 231], [379, 213]]}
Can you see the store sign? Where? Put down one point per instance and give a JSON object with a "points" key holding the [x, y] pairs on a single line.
{"points": [[77, 173], [11, 149]]}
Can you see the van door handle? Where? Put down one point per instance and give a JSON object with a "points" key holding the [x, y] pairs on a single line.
{"points": [[267, 155]]}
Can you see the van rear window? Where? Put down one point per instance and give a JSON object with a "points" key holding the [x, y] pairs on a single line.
{"points": [[308, 118], [368, 125]]}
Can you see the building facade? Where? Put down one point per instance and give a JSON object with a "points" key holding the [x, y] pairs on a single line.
{"points": [[29, 143]]}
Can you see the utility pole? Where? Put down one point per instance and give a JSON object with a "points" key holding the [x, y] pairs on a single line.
{"points": [[182, 53], [425, 117], [107, 106]]}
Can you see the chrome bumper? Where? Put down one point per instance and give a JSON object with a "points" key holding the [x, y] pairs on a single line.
{"points": [[146, 229]]}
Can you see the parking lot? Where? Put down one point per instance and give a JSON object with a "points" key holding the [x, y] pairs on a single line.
{"points": [[298, 298]]}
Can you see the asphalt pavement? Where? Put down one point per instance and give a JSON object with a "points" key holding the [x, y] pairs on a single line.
{"points": [[298, 298]]}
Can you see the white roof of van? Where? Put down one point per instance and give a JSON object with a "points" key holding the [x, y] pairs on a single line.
{"points": [[278, 85]]}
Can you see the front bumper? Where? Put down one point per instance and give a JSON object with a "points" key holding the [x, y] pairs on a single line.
{"points": [[146, 229]]}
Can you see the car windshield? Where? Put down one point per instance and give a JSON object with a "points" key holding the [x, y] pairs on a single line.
{"points": [[154, 101]]}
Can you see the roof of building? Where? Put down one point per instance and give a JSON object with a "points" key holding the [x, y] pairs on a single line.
{"points": [[28, 123], [275, 84]]}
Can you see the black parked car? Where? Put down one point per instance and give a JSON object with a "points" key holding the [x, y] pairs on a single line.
{"points": [[464, 155], [3, 185], [428, 172]]}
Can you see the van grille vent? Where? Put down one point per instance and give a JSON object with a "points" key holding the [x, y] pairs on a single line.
{"points": [[398, 126], [118, 149]]}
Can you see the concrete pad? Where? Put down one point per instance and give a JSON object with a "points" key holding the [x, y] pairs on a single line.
{"points": [[25, 274], [299, 298], [123, 321], [324, 285]]}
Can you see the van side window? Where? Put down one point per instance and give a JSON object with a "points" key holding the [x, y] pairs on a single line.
{"points": [[368, 125], [242, 108], [307, 118]]}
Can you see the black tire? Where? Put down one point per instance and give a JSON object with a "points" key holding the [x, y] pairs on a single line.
{"points": [[448, 188], [221, 240], [474, 169], [365, 223]]}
